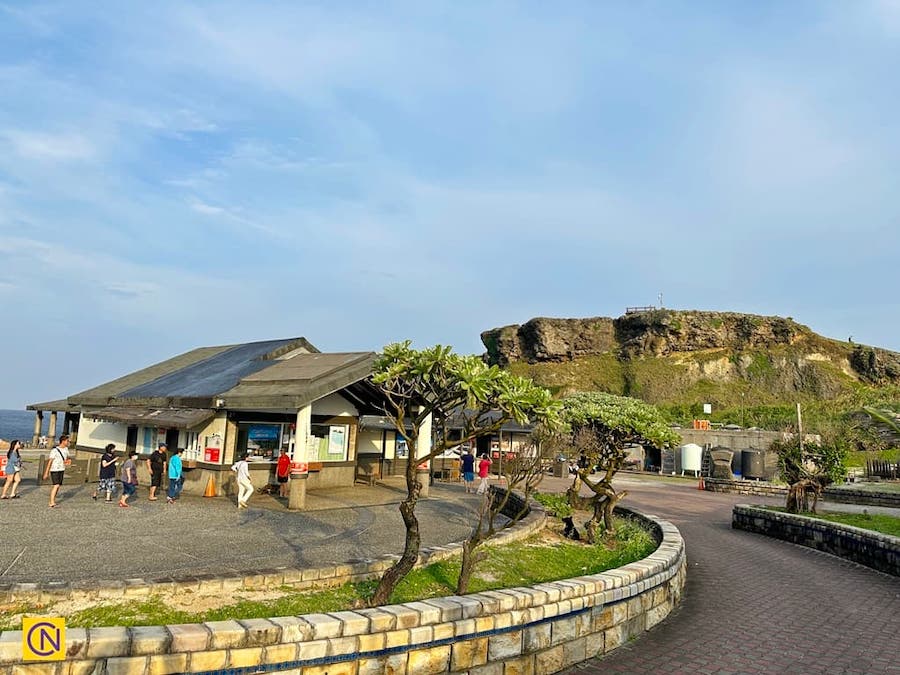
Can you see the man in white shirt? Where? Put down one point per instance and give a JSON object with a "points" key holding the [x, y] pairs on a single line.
{"points": [[56, 467]]}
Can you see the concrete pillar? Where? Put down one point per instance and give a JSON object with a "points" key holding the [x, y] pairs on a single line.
{"points": [[298, 484], [51, 433], [423, 449], [38, 424]]}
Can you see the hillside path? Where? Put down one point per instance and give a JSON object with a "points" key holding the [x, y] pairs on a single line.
{"points": [[754, 604]]}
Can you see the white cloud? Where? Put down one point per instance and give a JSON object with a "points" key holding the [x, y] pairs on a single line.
{"points": [[63, 147]]}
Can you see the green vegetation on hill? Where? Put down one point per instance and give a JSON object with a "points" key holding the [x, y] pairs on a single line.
{"points": [[752, 369]]}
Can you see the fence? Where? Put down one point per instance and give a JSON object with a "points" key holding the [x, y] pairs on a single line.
{"points": [[882, 469]]}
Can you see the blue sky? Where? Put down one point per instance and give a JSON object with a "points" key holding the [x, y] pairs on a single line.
{"points": [[177, 174]]}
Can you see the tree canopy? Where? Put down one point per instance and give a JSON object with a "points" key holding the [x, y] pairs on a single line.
{"points": [[460, 394]]}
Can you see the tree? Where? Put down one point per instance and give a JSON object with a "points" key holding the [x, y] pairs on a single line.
{"points": [[602, 426], [435, 383], [886, 422], [808, 469], [523, 475]]}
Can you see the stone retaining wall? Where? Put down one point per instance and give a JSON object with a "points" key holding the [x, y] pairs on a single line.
{"points": [[537, 629], [838, 496], [872, 549]]}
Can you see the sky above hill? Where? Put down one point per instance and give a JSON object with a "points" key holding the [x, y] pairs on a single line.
{"points": [[179, 174]]}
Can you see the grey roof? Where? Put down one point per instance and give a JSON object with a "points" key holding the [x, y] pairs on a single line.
{"points": [[191, 379], [168, 418], [213, 375], [302, 379]]}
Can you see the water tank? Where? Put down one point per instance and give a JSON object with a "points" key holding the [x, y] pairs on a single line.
{"points": [[753, 464], [736, 468], [691, 457]]}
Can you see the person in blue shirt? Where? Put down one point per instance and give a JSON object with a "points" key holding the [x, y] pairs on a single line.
{"points": [[468, 469], [176, 478]]}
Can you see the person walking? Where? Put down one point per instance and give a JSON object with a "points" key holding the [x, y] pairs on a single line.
{"points": [[156, 465], [467, 464], [129, 478], [176, 478], [484, 468], [245, 486], [283, 473], [107, 473], [13, 470], [56, 467]]}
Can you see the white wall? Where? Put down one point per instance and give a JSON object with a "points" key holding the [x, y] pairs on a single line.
{"points": [[334, 405], [96, 434]]}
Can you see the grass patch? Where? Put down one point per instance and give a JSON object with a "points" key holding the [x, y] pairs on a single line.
{"points": [[538, 559], [875, 522]]}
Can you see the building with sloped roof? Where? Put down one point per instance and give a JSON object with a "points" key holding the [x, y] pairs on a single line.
{"points": [[220, 402]]}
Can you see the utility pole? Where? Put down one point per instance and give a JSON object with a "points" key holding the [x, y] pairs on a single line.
{"points": [[660, 301], [800, 429]]}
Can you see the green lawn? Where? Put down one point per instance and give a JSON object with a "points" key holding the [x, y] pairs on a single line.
{"points": [[535, 560], [867, 521]]}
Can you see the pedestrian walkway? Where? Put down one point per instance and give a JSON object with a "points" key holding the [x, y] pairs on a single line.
{"points": [[754, 604], [84, 539]]}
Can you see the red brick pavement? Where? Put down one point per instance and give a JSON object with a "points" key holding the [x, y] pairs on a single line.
{"points": [[757, 605]]}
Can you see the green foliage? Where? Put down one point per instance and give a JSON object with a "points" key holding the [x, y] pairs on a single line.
{"points": [[619, 420], [437, 382], [556, 504], [824, 463]]}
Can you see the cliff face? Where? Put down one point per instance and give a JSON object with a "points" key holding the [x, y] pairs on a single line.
{"points": [[665, 355]]}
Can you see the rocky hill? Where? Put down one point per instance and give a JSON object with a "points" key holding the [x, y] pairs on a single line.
{"points": [[668, 356]]}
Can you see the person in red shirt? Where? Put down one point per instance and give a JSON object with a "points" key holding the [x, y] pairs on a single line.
{"points": [[484, 468], [283, 473]]}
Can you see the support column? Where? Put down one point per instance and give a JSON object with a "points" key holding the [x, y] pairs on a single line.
{"points": [[38, 424], [51, 433], [423, 449], [300, 460]]}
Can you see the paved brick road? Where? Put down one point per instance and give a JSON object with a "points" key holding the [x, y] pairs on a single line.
{"points": [[757, 605]]}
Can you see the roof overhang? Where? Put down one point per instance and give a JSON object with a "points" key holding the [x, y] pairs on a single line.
{"points": [[167, 418], [53, 406]]}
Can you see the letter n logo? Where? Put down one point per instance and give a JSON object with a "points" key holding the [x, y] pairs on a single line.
{"points": [[43, 638]]}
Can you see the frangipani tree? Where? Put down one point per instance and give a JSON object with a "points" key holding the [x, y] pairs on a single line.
{"points": [[444, 387], [602, 426]]}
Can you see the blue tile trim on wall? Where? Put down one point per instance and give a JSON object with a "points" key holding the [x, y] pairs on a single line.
{"points": [[379, 653]]}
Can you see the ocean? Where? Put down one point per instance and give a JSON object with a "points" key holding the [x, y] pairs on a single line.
{"points": [[19, 424]]}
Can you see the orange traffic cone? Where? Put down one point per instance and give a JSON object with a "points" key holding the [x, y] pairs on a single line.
{"points": [[210, 487], [700, 484]]}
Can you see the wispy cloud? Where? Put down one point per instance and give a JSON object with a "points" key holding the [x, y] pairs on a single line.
{"points": [[51, 147]]}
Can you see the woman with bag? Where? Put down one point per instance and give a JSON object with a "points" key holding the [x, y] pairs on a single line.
{"points": [[56, 467], [13, 470]]}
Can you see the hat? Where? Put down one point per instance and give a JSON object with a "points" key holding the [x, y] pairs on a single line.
{"points": [[132, 453], [163, 445]]}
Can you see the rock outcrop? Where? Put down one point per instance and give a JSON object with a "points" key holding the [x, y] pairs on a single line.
{"points": [[662, 354]]}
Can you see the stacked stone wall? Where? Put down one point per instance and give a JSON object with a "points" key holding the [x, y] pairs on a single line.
{"points": [[872, 549], [538, 629]]}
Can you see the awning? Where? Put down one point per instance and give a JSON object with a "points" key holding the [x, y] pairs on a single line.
{"points": [[167, 418]]}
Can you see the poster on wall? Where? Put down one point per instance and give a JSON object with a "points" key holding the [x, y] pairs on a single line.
{"points": [[402, 450], [336, 438]]}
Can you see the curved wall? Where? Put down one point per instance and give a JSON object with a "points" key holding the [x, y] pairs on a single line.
{"points": [[537, 629]]}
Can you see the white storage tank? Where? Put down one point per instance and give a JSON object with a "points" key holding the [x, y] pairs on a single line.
{"points": [[691, 458]]}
